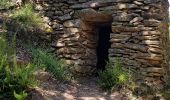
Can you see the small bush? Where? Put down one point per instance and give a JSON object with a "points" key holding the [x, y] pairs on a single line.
{"points": [[27, 16], [13, 77], [5, 3], [113, 76], [52, 64]]}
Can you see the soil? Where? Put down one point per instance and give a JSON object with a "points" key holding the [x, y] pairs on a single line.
{"points": [[85, 88]]}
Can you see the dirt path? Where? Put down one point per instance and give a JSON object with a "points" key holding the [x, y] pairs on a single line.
{"points": [[85, 89]]}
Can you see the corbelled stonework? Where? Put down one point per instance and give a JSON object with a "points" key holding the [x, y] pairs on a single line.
{"points": [[139, 33]]}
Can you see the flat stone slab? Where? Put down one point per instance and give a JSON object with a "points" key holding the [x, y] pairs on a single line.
{"points": [[97, 4], [90, 15]]}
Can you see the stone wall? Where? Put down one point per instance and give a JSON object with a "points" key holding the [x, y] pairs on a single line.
{"points": [[139, 33]]}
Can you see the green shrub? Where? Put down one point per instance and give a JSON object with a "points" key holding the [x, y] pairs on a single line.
{"points": [[21, 96], [51, 63], [13, 77], [27, 16], [5, 3], [166, 94], [113, 76]]}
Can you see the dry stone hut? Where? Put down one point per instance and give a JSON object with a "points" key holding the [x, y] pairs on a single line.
{"points": [[88, 32]]}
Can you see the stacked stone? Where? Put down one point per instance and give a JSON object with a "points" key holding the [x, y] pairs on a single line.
{"points": [[55, 13], [78, 46], [139, 33], [138, 39], [70, 41]]}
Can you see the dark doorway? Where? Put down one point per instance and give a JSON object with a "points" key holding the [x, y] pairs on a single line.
{"points": [[103, 46]]}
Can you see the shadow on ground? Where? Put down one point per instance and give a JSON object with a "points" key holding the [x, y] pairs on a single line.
{"points": [[84, 89]]}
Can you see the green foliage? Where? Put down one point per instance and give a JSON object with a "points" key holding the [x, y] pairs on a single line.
{"points": [[166, 91], [113, 76], [52, 64], [168, 81], [5, 3], [27, 16], [21, 96], [169, 21], [13, 77], [166, 94]]}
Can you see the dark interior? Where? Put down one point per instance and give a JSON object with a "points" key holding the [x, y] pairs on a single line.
{"points": [[103, 46]]}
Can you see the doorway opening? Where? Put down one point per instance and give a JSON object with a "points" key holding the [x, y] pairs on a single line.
{"points": [[103, 46]]}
